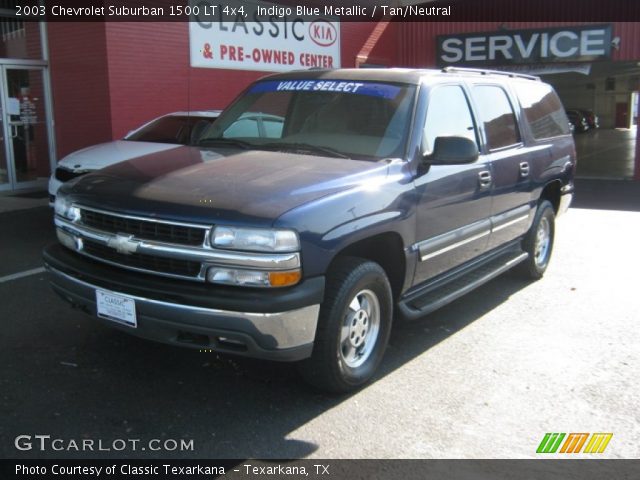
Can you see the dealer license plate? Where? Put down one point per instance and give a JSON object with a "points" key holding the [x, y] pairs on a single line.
{"points": [[116, 308]]}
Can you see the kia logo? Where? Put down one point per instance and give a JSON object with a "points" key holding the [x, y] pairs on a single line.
{"points": [[323, 33]]}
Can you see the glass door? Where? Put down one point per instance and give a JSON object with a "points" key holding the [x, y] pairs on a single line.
{"points": [[25, 128], [5, 179]]}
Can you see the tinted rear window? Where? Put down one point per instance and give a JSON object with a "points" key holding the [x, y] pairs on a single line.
{"points": [[497, 115], [542, 109]]}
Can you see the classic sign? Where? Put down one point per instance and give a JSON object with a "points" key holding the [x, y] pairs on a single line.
{"points": [[584, 43], [262, 37]]}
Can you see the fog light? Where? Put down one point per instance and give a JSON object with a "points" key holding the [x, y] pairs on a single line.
{"points": [[67, 240], [228, 276], [252, 278], [65, 209]]}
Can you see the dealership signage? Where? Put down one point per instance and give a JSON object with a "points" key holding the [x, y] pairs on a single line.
{"points": [[260, 36], [584, 43]]}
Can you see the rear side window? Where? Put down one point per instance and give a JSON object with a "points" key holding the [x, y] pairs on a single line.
{"points": [[542, 109], [448, 115], [497, 115]]}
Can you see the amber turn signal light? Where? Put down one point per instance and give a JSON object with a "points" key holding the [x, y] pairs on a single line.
{"points": [[284, 279]]}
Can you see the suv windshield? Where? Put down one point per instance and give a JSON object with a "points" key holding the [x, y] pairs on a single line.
{"points": [[354, 119]]}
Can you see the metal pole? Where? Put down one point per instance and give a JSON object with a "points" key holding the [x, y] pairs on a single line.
{"points": [[636, 170]]}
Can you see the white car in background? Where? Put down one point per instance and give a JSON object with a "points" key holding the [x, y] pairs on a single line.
{"points": [[163, 133]]}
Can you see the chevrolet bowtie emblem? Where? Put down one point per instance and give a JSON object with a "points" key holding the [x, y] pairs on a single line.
{"points": [[123, 244]]}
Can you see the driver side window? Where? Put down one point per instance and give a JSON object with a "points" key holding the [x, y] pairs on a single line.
{"points": [[448, 115]]}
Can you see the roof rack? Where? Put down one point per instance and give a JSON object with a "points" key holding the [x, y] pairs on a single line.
{"points": [[482, 71]]}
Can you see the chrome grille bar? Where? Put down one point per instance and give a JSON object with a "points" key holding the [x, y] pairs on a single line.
{"points": [[144, 228]]}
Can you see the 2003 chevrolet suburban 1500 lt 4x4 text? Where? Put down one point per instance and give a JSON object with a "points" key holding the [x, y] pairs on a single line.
{"points": [[361, 196]]}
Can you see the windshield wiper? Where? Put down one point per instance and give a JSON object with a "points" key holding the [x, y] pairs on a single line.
{"points": [[230, 142], [305, 147]]}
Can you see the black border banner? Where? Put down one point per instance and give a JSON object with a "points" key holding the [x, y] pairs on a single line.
{"points": [[344, 10], [325, 469]]}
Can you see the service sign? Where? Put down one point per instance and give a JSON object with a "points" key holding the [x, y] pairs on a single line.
{"points": [[246, 35], [583, 43]]}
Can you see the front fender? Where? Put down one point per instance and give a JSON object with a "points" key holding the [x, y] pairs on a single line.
{"points": [[329, 225]]}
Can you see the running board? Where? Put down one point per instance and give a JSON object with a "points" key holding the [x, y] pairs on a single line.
{"points": [[418, 306]]}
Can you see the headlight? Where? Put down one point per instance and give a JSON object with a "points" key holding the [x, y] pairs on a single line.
{"points": [[255, 239], [64, 208]]}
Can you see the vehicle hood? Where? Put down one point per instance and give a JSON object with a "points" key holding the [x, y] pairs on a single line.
{"points": [[204, 185], [105, 154]]}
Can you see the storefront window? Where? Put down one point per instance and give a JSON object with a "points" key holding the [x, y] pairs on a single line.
{"points": [[19, 39]]}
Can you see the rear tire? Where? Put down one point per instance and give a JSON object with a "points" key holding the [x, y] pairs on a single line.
{"points": [[353, 327], [538, 242]]}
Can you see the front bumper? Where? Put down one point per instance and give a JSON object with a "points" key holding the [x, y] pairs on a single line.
{"points": [[566, 197], [274, 324], [54, 185]]}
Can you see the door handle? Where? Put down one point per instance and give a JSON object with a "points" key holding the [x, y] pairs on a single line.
{"points": [[14, 131], [484, 179], [524, 169]]}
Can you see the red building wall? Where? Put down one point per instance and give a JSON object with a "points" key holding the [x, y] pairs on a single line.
{"points": [[80, 84], [149, 74], [381, 47]]}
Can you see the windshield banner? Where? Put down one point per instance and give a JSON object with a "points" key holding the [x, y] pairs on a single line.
{"points": [[382, 90]]}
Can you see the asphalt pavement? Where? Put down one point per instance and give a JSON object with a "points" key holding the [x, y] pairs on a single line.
{"points": [[485, 377]]}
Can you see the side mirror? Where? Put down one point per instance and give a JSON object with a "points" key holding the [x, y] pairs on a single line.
{"points": [[452, 151]]}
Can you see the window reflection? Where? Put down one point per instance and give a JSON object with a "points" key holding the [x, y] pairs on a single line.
{"points": [[18, 39], [497, 115]]}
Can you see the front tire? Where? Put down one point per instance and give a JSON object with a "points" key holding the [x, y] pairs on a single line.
{"points": [[538, 242], [353, 327]]}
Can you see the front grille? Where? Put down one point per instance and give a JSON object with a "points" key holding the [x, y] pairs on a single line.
{"points": [[65, 175], [143, 229], [185, 268]]}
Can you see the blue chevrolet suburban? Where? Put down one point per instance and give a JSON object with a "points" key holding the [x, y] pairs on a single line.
{"points": [[362, 196]]}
